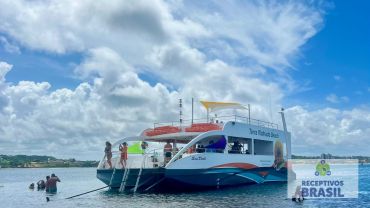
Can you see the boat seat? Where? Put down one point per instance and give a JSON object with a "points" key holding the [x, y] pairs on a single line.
{"points": [[202, 127], [162, 130]]}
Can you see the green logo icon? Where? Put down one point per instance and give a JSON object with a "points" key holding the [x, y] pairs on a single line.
{"points": [[322, 169]]}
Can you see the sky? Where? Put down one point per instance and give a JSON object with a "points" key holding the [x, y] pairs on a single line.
{"points": [[74, 74]]}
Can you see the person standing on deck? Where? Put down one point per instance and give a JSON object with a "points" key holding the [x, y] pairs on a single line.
{"points": [[108, 153], [52, 183], [167, 152], [144, 146], [123, 149]]}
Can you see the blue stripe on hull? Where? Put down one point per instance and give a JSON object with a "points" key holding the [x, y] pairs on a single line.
{"points": [[148, 177], [194, 179], [226, 176]]}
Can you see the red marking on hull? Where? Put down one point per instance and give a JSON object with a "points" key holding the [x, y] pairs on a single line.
{"points": [[237, 165], [263, 173]]}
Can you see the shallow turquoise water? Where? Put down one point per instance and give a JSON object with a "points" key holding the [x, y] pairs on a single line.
{"points": [[14, 192]]}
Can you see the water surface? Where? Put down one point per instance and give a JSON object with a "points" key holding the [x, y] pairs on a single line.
{"points": [[14, 192]]}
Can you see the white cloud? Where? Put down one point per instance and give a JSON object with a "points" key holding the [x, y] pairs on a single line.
{"points": [[329, 130], [37, 120], [268, 33], [344, 99], [221, 52], [259, 33], [337, 77], [114, 102], [333, 98], [4, 69], [9, 47], [131, 28]]}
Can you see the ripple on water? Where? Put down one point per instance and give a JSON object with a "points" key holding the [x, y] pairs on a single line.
{"points": [[15, 193]]}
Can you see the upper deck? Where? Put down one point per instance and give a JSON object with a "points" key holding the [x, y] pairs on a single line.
{"points": [[189, 129]]}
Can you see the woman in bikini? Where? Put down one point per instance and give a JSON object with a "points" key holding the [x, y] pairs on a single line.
{"points": [[108, 153]]}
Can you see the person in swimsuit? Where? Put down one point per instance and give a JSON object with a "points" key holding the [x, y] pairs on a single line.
{"points": [[52, 184], [47, 184], [191, 149], [108, 153], [40, 185], [123, 149]]}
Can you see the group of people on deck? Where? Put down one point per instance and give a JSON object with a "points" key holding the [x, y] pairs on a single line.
{"points": [[123, 148], [236, 148], [168, 150], [50, 185]]}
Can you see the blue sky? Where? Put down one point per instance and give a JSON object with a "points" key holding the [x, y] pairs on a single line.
{"points": [[341, 48], [334, 61], [109, 64], [42, 66]]}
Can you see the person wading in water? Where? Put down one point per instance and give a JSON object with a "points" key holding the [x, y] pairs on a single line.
{"points": [[51, 184], [47, 184]]}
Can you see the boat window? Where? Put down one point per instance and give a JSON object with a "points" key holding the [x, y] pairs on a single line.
{"points": [[239, 145], [213, 144], [263, 147]]}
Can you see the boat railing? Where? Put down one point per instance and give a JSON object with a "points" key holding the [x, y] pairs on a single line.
{"points": [[151, 159], [220, 120]]}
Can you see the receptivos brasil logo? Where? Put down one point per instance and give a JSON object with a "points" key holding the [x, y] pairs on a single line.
{"points": [[322, 168], [321, 185]]}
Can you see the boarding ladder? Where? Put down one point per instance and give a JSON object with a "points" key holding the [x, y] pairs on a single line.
{"points": [[124, 178], [113, 175], [140, 172]]}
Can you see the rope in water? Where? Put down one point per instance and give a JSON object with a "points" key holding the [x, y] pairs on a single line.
{"points": [[48, 199]]}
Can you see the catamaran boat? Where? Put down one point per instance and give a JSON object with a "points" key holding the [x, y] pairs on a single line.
{"points": [[211, 153]]}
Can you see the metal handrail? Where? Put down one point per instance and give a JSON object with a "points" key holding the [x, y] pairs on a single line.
{"points": [[146, 156], [219, 118]]}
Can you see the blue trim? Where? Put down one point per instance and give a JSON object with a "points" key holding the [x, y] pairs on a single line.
{"points": [[147, 176], [225, 176], [194, 179]]}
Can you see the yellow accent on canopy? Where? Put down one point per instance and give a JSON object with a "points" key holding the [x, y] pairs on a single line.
{"points": [[213, 106], [135, 149]]}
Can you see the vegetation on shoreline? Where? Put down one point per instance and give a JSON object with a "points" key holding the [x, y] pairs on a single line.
{"points": [[36, 161], [361, 159]]}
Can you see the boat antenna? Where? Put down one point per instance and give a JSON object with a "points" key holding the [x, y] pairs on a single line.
{"points": [[270, 108], [249, 113], [180, 114], [192, 110], [287, 137]]}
